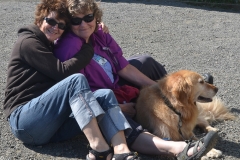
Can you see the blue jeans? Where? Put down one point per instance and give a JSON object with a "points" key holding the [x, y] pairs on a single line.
{"points": [[64, 110]]}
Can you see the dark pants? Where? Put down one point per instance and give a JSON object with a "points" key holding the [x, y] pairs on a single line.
{"points": [[148, 66], [152, 69]]}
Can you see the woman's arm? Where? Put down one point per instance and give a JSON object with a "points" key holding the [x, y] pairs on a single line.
{"points": [[42, 59], [132, 74]]}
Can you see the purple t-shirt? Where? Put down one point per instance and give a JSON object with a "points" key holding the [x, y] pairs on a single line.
{"points": [[105, 46]]}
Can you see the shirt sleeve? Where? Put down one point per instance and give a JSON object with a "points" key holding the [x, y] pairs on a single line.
{"points": [[67, 46], [42, 59]]}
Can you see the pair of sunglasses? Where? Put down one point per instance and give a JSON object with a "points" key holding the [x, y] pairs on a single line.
{"points": [[53, 22], [77, 21]]}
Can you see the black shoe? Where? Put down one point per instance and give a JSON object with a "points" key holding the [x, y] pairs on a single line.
{"points": [[125, 155], [208, 78], [99, 155]]}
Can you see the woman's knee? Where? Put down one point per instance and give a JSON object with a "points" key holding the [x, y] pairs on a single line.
{"points": [[150, 65], [106, 98], [105, 94], [108, 94], [148, 60], [78, 77], [80, 80]]}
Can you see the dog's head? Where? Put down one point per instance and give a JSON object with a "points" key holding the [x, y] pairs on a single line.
{"points": [[190, 86]]}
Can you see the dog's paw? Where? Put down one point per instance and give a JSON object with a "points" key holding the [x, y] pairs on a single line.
{"points": [[205, 158], [214, 153], [209, 128]]}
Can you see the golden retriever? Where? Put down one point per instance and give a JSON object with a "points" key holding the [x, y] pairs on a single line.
{"points": [[174, 106]]}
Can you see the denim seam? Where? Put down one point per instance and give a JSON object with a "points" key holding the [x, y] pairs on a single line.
{"points": [[87, 106], [66, 83]]}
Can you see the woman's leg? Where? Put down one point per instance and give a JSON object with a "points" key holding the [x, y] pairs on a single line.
{"points": [[119, 143], [112, 117], [148, 66], [147, 143], [113, 121], [95, 138], [113, 124], [38, 121]]}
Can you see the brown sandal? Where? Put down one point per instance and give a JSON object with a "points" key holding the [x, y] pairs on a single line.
{"points": [[205, 144]]}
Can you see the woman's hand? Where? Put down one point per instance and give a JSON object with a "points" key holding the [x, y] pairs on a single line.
{"points": [[104, 28], [128, 108]]}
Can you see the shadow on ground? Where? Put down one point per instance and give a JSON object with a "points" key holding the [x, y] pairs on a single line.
{"points": [[75, 148]]}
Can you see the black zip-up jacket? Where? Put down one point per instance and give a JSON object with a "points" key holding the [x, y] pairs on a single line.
{"points": [[33, 68]]}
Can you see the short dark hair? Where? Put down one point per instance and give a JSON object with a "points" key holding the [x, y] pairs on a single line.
{"points": [[47, 6]]}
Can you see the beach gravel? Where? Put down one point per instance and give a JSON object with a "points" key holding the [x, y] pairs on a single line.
{"points": [[176, 34]]}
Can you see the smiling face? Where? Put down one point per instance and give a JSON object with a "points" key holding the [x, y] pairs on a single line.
{"points": [[52, 32], [85, 29]]}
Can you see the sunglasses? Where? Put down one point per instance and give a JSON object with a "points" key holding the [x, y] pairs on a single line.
{"points": [[77, 21], [53, 22]]}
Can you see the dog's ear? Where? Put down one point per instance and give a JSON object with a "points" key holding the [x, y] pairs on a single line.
{"points": [[181, 88]]}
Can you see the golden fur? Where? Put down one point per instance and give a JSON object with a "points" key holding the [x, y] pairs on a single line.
{"points": [[186, 90], [214, 111]]}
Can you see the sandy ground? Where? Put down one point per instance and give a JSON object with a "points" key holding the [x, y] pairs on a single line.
{"points": [[177, 35]]}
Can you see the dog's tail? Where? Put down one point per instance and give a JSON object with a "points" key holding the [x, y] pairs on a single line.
{"points": [[215, 111]]}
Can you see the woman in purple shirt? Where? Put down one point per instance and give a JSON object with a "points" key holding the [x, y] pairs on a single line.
{"points": [[106, 68]]}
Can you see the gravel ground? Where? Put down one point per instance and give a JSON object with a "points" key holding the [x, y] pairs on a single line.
{"points": [[176, 34]]}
